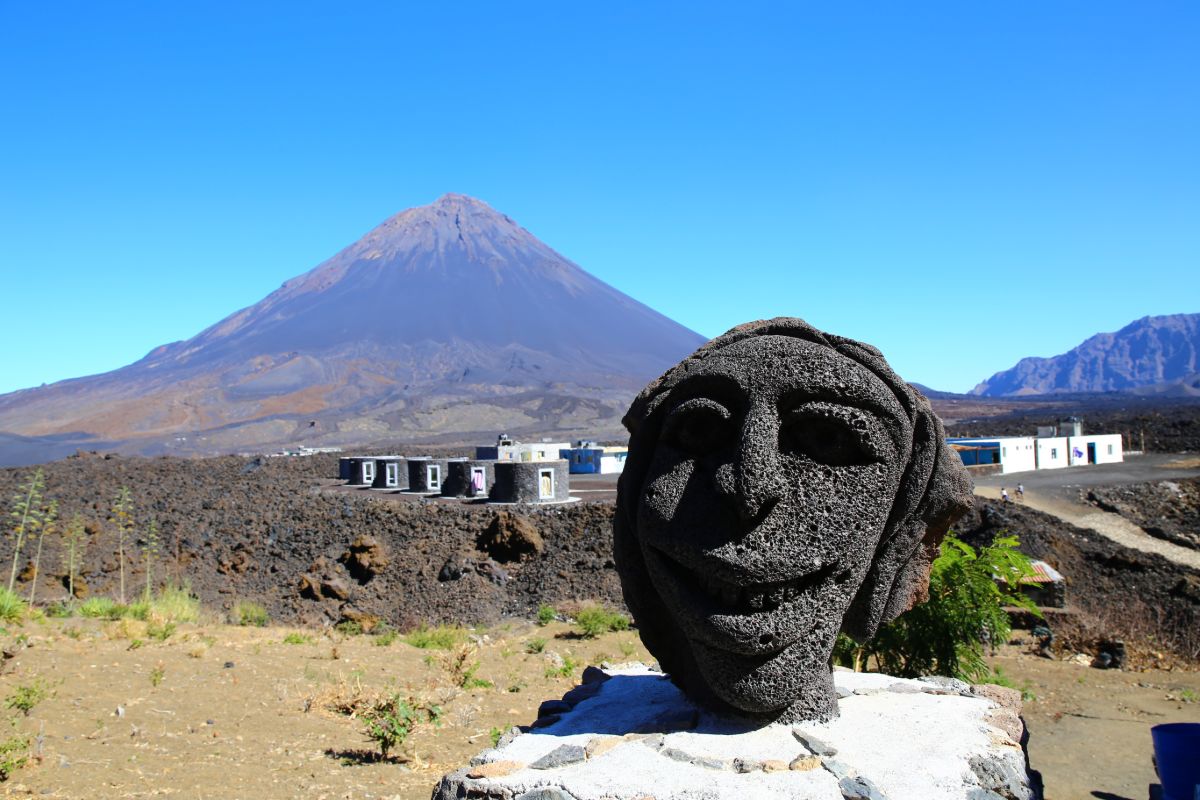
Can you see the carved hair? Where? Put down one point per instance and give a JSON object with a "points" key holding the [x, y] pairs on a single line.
{"points": [[934, 491]]}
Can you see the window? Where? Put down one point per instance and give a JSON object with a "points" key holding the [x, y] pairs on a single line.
{"points": [[1004, 451], [1110, 450], [1053, 453], [545, 484], [433, 474], [368, 471]]}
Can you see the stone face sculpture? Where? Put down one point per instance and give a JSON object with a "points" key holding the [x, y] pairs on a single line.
{"points": [[782, 485]]}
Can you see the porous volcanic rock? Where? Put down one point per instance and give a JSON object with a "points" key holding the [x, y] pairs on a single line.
{"points": [[783, 485]]}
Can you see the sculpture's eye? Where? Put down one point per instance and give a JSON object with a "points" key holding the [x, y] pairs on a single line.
{"points": [[698, 426], [827, 438]]}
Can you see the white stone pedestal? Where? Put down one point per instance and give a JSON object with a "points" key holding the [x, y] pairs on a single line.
{"points": [[630, 734]]}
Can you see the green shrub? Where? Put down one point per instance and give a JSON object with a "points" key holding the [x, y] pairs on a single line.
{"points": [[948, 634], [546, 614], [250, 614], [139, 610], [100, 608], [443, 637], [565, 671], [349, 627], [176, 604], [25, 696], [595, 620], [386, 638], [13, 753], [12, 607], [297, 638], [535, 645], [60, 611], [391, 719], [160, 630]]}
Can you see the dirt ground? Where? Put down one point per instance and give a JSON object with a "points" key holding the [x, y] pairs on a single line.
{"points": [[216, 711]]}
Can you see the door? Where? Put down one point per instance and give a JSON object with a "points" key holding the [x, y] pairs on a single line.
{"points": [[433, 477], [545, 484], [391, 474], [368, 472], [1091, 453], [478, 480]]}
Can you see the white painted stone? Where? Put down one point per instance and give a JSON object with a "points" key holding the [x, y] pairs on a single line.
{"points": [[908, 741]]}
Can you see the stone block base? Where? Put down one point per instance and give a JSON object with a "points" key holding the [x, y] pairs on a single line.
{"points": [[630, 734]]}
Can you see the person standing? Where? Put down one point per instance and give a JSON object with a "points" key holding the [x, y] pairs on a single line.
{"points": [[1004, 494], [1020, 491]]}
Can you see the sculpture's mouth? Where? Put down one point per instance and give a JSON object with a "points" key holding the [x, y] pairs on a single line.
{"points": [[726, 597]]}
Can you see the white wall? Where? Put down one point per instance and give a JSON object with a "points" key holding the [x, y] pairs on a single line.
{"points": [[1104, 443], [1052, 453], [1017, 454], [610, 464]]}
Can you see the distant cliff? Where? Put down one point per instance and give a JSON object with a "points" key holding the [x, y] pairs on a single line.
{"points": [[1149, 352]]}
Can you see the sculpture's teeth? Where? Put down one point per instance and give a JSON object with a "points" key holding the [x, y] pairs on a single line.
{"points": [[755, 600]]}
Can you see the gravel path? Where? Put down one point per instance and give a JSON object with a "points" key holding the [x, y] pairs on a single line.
{"points": [[1113, 526]]}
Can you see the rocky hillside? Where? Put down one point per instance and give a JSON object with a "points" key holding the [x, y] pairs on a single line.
{"points": [[274, 531], [1146, 353], [445, 319]]}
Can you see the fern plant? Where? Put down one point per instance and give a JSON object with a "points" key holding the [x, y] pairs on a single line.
{"points": [[949, 634]]}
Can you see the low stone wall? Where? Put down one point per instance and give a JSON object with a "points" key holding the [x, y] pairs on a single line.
{"points": [[630, 733]]}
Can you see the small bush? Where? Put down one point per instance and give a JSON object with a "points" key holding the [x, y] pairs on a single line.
{"points": [[13, 753], [297, 638], [250, 614], [157, 674], [139, 610], [176, 604], [565, 671], [26, 696], [12, 607], [160, 631], [546, 614], [391, 719], [535, 646], [60, 611], [386, 638], [443, 637], [595, 620], [349, 627], [100, 608]]}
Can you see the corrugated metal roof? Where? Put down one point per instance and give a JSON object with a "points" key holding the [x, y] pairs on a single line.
{"points": [[1044, 573]]}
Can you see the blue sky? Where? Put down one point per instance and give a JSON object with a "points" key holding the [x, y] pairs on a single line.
{"points": [[961, 185]]}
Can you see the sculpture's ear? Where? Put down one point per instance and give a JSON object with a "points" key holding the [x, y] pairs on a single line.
{"points": [[934, 492]]}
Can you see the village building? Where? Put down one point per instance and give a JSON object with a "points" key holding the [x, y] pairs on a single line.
{"points": [[425, 474], [468, 477], [589, 458], [531, 482], [362, 471], [390, 473], [509, 449], [344, 468], [1055, 447]]}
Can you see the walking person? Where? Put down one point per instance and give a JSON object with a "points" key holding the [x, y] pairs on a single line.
{"points": [[1020, 492], [1004, 494]]}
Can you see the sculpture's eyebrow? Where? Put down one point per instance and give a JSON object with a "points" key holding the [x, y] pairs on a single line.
{"points": [[845, 396], [715, 386]]}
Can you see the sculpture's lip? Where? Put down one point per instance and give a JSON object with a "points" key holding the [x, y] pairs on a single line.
{"points": [[741, 599]]}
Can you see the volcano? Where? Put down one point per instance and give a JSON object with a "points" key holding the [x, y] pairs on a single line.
{"points": [[444, 322]]}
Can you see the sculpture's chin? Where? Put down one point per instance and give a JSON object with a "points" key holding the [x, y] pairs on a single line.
{"points": [[791, 685]]}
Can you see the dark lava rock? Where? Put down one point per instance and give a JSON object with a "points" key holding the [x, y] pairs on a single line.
{"points": [[510, 537], [796, 457]]}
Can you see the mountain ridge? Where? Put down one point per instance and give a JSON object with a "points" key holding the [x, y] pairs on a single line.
{"points": [[1147, 352]]}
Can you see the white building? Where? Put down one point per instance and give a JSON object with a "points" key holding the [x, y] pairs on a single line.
{"points": [[1025, 453], [508, 449], [593, 459]]}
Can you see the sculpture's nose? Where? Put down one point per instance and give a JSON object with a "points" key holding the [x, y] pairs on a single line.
{"points": [[754, 480]]}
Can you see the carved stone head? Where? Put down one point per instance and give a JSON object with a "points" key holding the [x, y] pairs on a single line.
{"points": [[782, 485]]}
